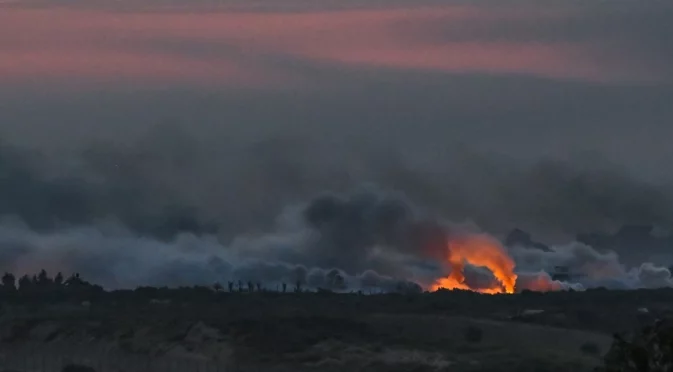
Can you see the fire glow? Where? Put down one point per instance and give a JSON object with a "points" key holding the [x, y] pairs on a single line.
{"points": [[478, 250]]}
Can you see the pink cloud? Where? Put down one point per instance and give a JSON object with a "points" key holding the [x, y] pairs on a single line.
{"points": [[107, 65], [239, 48]]}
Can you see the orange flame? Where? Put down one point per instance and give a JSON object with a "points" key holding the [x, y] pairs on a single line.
{"points": [[479, 250]]}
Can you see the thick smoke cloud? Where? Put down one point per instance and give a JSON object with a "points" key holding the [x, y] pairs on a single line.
{"points": [[479, 277], [587, 268], [171, 182], [115, 213], [364, 240], [542, 281], [368, 239], [651, 276]]}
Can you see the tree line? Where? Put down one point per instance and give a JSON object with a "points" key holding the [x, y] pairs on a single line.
{"points": [[42, 286], [41, 281]]}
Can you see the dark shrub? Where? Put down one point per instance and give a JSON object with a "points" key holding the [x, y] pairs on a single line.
{"points": [[473, 334], [77, 368], [650, 350], [590, 348]]}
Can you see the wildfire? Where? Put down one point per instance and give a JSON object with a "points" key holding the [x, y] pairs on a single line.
{"points": [[478, 250]]}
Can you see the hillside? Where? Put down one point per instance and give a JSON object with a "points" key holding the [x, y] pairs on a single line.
{"points": [[458, 330]]}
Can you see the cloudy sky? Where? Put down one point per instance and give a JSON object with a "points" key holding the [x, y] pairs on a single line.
{"points": [[551, 115]]}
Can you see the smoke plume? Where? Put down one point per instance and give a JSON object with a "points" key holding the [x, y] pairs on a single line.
{"points": [[368, 239], [171, 181]]}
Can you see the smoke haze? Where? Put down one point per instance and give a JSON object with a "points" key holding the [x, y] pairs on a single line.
{"points": [[172, 143], [369, 239]]}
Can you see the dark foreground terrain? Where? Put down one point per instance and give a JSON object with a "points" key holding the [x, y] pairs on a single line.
{"points": [[441, 331]]}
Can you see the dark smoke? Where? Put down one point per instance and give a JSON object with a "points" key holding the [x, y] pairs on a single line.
{"points": [[170, 182], [363, 240], [127, 216]]}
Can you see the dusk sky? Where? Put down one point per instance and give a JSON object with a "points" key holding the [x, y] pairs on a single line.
{"points": [[596, 73]]}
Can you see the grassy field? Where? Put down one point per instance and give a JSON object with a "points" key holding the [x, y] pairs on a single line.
{"points": [[403, 343], [329, 332], [380, 342], [466, 344]]}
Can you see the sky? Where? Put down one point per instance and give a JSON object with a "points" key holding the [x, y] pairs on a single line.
{"points": [[218, 116]]}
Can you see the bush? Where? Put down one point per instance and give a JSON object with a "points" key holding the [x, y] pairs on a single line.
{"points": [[590, 348], [77, 368], [473, 334], [651, 350]]}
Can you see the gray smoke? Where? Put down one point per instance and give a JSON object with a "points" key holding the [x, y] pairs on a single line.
{"points": [[652, 276], [171, 181], [127, 217], [479, 277], [587, 267], [367, 239], [364, 240], [542, 281]]}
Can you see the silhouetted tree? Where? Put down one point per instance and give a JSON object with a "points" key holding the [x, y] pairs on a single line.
{"points": [[284, 287], [77, 368], [251, 287], [74, 281], [240, 286], [43, 280], [297, 287], [231, 286], [9, 281], [217, 287], [259, 287], [650, 350], [25, 284], [58, 279]]}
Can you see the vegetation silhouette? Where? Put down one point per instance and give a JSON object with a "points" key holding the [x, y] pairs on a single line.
{"points": [[77, 368], [649, 350], [254, 311], [42, 287]]}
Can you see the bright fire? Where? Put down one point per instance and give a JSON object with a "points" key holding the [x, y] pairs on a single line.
{"points": [[479, 250]]}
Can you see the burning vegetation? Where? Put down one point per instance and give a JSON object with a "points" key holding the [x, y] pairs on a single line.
{"points": [[478, 250]]}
